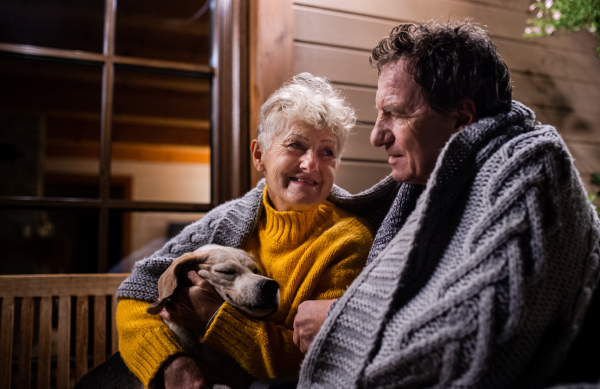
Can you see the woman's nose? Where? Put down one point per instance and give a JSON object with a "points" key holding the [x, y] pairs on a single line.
{"points": [[309, 161]]}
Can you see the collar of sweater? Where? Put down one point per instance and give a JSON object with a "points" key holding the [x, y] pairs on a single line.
{"points": [[293, 227]]}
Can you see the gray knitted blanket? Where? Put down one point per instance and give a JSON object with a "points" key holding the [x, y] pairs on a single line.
{"points": [[231, 223], [486, 283]]}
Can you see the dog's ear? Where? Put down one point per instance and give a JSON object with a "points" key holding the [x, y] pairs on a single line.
{"points": [[169, 280]]}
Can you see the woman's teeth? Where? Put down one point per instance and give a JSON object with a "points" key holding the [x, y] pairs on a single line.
{"points": [[301, 180]]}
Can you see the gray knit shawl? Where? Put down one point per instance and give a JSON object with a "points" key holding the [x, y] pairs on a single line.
{"points": [[487, 282], [231, 223]]}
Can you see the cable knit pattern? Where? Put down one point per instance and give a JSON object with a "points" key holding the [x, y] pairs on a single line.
{"points": [[404, 203], [487, 282]]}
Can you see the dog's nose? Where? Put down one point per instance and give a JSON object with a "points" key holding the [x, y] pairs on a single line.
{"points": [[269, 288]]}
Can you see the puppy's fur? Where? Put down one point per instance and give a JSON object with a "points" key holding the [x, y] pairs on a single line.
{"points": [[233, 274]]}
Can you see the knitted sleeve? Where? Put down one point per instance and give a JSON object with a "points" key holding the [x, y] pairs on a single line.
{"points": [[145, 341], [350, 259], [262, 348]]}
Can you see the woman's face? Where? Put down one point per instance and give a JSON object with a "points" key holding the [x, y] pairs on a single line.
{"points": [[299, 167]]}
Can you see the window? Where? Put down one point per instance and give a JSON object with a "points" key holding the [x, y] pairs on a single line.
{"points": [[119, 124]]}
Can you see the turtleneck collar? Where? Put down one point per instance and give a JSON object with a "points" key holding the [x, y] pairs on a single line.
{"points": [[293, 227]]}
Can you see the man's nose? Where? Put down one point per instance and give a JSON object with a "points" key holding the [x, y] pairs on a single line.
{"points": [[380, 135]]}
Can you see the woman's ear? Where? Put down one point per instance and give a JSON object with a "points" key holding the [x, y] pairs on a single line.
{"points": [[257, 154], [466, 113]]}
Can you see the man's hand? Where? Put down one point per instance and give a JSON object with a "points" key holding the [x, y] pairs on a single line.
{"points": [[193, 307], [182, 372], [309, 319]]}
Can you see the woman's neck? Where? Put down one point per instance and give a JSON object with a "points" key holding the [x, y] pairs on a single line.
{"points": [[292, 227]]}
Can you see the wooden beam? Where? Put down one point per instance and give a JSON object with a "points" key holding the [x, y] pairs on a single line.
{"points": [[271, 55], [123, 151], [229, 140]]}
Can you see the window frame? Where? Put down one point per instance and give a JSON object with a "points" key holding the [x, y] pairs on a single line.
{"points": [[230, 175]]}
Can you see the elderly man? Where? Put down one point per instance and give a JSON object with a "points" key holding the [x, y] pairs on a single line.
{"points": [[485, 264]]}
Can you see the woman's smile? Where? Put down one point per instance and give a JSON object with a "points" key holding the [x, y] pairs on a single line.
{"points": [[299, 167]]}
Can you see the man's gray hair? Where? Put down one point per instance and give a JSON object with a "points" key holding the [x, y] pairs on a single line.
{"points": [[306, 100]]}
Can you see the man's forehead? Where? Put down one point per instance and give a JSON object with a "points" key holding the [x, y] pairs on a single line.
{"points": [[397, 89]]}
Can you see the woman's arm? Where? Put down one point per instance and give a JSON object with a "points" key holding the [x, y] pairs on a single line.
{"points": [[145, 341]]}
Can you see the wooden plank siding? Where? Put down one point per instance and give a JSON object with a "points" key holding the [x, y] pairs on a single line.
{"points": [[558, 77]]}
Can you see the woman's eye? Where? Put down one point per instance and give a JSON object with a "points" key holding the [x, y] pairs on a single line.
{"points": [[295, 145], [328, 153]]}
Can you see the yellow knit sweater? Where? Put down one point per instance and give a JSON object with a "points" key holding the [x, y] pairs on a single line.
{"points": [[311, 254]]}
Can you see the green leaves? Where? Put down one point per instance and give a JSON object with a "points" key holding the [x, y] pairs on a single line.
{"points": [[564, 15]]}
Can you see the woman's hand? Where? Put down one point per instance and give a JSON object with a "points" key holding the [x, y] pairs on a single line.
{"points": [[308, 321], [182, 372], [192, 307]]}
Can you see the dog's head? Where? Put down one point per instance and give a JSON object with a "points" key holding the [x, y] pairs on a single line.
{"points": [[232, 272]]}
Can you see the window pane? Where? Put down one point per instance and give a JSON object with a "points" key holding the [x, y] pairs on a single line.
{"points": [[48, 241], [161, 136], [49, 128], [165, 30], [142, 233], [60, 24]]}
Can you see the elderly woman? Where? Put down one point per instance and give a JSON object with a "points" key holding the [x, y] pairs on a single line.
{"points": [[309, 245]]}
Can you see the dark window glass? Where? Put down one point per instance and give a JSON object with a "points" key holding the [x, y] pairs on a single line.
{"points": [[161, 135], [48, 241], [59, 24], [166, 30], [49, 128]]}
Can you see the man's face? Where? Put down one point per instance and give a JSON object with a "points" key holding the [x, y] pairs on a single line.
{"points": [[412, 133]]}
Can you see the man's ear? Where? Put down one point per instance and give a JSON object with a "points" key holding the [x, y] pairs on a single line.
{"points": [[257, 155], [466, 113]]}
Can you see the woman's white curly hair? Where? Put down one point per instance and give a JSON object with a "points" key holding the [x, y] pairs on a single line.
{"points": [[306, 100]]}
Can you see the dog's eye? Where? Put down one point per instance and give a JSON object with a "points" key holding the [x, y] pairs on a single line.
{"points": [[225, 271], [255, 271]]}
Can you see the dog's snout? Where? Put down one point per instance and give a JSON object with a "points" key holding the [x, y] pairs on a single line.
{"points": [[269, 288]]}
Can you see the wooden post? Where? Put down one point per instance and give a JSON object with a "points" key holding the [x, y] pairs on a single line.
{"points": [[271, 55]]}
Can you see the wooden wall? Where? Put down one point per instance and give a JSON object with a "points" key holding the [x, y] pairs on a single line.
{"points": [[558, 76]]}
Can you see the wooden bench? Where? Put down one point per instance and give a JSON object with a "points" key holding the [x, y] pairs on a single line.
{"points": [[46, 323]]}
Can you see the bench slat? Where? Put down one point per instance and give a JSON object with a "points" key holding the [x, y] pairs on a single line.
{"points": [[6, 341], [25, 343], [99, 329], [45, 343], [81, 337]]}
